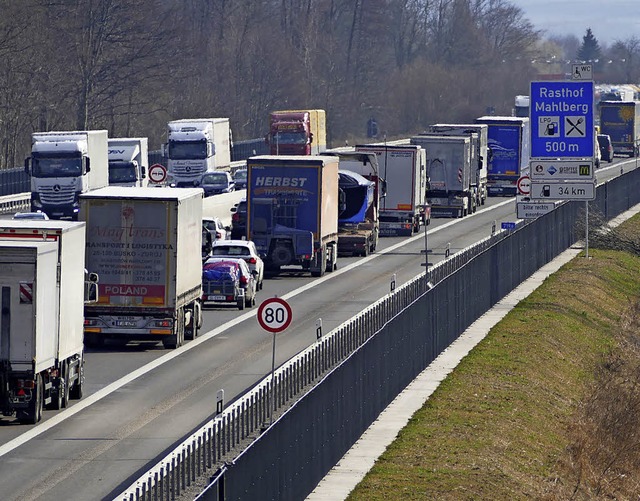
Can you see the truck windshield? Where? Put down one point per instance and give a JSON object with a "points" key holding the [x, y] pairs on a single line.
{"points": [[290, 138], [56, 166], [187, 150], [122, 172]]}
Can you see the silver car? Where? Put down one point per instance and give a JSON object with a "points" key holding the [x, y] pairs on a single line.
{"points": [[244, 249]]}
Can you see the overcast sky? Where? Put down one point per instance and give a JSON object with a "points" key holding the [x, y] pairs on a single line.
{"points": [[609, 20]]}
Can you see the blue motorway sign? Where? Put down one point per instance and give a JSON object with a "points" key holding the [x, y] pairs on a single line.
{"points": [[562, 119]]}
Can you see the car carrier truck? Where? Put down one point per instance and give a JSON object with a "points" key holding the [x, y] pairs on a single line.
{"points": [[292, 211], [42, 296], [145, 244]]}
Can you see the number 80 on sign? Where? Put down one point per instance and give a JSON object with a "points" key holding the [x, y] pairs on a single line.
{"points": [[274, 315]]}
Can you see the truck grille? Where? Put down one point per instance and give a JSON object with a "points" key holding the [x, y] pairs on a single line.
{"points": [[57, 194]]}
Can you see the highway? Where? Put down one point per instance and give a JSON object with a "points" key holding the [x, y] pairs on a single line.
{"points": [[140, 399]]}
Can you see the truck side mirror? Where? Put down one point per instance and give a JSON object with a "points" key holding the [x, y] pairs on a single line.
{"points": [[27, 165], [87, 167], [143, 172], [310, 137]]}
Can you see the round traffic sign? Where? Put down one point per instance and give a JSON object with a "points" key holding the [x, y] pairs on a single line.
{"points": [[157, 173], [524, 185], [274, 314]]}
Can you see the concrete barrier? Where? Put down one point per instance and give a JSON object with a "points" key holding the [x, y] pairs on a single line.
{"points": [[220, 205]]}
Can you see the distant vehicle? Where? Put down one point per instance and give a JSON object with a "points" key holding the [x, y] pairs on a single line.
{"points": [[239, 220], [606, 147], [227, 280], [297, 132], [621, 121], [240, 178], [214, 183], [244, 249], [217, 228], [41, 216]]}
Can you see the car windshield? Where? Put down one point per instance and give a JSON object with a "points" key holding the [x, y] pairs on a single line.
{"points": [[214, 179], [230, 250]]}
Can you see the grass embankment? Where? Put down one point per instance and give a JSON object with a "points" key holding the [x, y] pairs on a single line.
{"points": [[547, 406]]}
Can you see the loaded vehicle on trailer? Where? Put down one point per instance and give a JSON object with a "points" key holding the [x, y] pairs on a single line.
{"points": [[405, 206], [227, 280], [146, 245], [195, 146], [64, 165], [42, 296], [480, 153], [297, 132], [620, 120], [292, 211], [509, 142], [361, 189], [449, 170]]}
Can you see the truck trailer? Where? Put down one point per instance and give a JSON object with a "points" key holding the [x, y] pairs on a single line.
{"points": [[479, 134], [449, 170], [510, 153], [146, 246], [128, 161], [64, 165], [621, 121], [297, 132], [292, 211], [405, 207], [195, 146], [42, 291]]}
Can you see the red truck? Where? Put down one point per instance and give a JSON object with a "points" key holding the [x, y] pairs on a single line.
{"points": [[297, 132]]}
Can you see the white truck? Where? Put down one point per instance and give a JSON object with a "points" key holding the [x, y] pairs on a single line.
{"points": [[128, 161], [146, 246], [195, 146], [405, 207], [42, 291], [64, 165], [480, 153], [449, 170]]}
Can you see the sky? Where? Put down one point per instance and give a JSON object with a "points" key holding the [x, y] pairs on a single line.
{"points": [[609, 20]]}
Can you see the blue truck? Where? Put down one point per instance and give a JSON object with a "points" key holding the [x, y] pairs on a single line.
{"points": [[509, 153], [292, 211], [621, 121]]}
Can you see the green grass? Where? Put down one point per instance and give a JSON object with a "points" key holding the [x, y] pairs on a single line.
{"points": [[510, 421]]}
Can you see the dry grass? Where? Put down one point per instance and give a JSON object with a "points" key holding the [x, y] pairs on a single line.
{"points": [[546, 407]]}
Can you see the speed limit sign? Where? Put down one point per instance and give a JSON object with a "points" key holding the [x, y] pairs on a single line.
{"points": [[274, 315]]}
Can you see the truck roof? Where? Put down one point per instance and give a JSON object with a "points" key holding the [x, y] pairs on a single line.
{"points": [[435, 137], [136, 192], [308, 159], [497, 119], [53, 225]]}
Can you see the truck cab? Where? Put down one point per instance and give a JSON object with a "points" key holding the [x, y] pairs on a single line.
{"points": [[63, 166], [128, 162], [195, 147], [297, 132]]}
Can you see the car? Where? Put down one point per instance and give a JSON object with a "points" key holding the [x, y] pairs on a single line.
{"points": [[217, 228], [214, 183], [606, 148], [239, 220], [228, 280], [240, 178], [40, 216], [244, 249]]}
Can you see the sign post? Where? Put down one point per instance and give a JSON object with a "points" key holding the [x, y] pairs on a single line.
{"points": [[274, 315]]}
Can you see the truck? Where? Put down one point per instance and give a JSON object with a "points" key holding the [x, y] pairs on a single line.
{"points": [[128, 161], [621, 121], [42, 291], [361, 189], [146, 246], [404, 208], [297, 132], [292, 211], [449, 171], [521, 106], [479, 134], [64, 165], [195, 146], [510, 153]]}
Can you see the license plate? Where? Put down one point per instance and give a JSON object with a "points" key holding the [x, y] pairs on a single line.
{"points": [[216, 298], [125, 323]]}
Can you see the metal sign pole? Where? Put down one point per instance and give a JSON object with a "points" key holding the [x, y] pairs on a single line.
{"points": [[273, 385], [587, 230]]}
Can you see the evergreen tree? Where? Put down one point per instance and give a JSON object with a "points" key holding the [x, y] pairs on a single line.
{"points": [[590, 48]]}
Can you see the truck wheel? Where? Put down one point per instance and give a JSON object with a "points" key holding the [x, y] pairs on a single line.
{"points": [[60, 397], [76, 392], [240, 303], [33, 414]]}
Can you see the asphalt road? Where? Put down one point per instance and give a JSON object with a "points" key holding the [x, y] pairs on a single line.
{"points": [[141, 399]]}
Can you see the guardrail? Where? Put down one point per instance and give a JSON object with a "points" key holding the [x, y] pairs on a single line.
{"points": [[13, 203]]}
